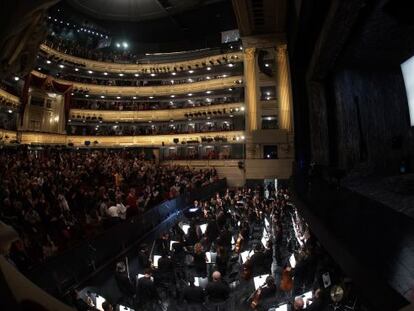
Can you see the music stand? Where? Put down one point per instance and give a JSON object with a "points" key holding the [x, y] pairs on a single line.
{"points": [[156, 258], [201, 282]]}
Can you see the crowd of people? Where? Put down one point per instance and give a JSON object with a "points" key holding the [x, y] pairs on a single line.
{"points": [[150, 105], [148, 129], [56, 198], [210, 260]]}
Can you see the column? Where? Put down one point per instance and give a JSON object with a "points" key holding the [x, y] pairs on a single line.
{"points": [[251, 99], [284, 91]]}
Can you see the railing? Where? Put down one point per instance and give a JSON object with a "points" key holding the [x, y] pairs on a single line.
{"points": [[176, 89], [142, 68], [9, 99], [153, 115], [127, 141], [61, 273]]}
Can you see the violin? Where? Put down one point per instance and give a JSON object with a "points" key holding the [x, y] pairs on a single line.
{"points": [[257, 296], [239, 242]]}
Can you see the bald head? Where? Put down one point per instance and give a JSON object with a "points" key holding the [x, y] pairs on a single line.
{"points": [[216, 276], [298, 304]]}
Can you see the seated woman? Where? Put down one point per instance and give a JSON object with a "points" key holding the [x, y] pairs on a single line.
{"points": [[199, 261]]}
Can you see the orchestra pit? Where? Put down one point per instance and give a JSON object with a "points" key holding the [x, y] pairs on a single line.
{"points": [[207, 155]]}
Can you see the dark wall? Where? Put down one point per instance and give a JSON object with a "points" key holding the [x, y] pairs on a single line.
{"points": [[372, 119]]}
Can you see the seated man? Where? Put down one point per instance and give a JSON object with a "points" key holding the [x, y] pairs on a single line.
{"points": [[258, 261], [146, 291], [217, 290], [298, 304], [193, 294]]}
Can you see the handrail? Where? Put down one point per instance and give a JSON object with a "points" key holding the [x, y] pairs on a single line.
{"points": [[147, 115], [163, 90], [4, 95], [134, 68], [124, 141]]}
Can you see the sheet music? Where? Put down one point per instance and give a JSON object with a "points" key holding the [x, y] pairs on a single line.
{"points": [[259, 280], [156, 258]]}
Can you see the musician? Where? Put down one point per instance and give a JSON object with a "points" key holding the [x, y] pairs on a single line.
{"points": [[143, 258], [146, 291], [106, 306], [193, 294], [265, 296], [217, 290], [298, 304], [257, 261], [200, 260], [318, 301], [165, 266], [123, 281]]}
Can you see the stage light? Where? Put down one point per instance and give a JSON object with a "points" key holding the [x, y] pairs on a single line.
{"points": [[190, 71], [39, 69], [172, 96], [134, 97], [76, 69], [105, 73], [118, 45], [61, 66], [136, 75], [151, 97], [16, 78], [125, 45], [230, 65], [48, 62], [208, 77], [86, 95], [152, 75], [118, 97], [208, 68], [208, 92], [173, 73], [90, 71], [230, 89], [267, 65], [121, 74], [190, 94], [242, 108], [102, 96], [10, 111]]}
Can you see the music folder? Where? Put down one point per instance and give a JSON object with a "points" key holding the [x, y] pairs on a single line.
{"points": [[99, 301], [211, 257], [259, 280], [156, 258], [282, 308], [292, 261], [244, 255], [203, 228], [172, 243], [124, 308], [185, 228], [201, 282]]}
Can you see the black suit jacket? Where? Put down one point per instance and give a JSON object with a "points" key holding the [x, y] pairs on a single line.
{"points": [[217, 291], [193, 294]]}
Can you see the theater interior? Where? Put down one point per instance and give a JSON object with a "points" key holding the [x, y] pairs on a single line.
{"points": [[207, 155]]}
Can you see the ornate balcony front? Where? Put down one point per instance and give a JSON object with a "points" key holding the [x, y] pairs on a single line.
{"points": [[143, 68], [163, 90]]}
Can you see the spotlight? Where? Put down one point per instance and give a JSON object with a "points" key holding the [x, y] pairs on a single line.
{"points": [[134, 97], [90, 71], [125, 45], [105, 73], [190, 71], [102, 96], [48, 62], [118, 97], [16, 78], [152, 74], [230, 65], [76, 69], [121, 74], [173, 73], [61, 66], [10, 111], [151, 97], [86, 95], [136, 75], [118, 45]]}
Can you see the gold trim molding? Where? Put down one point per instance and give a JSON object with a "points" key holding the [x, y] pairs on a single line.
{"points": [[163, 90], [6, 96], [124, 141], [141, 68], [147, 115]]}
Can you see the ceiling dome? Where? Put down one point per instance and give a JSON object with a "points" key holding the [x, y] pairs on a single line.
{"points": [[134, 10]]}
